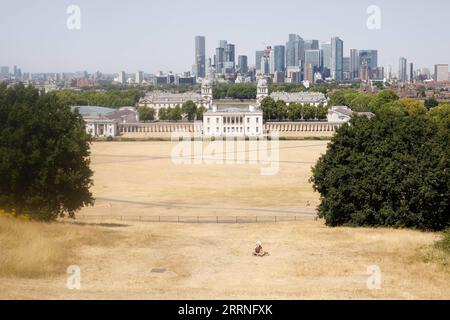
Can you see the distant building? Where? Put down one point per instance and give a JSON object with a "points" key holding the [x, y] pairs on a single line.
{"points": [[200, 56], [337, 59], [343, 114], [122, 77], [295, 51], [258, 58], [103, 122], [139, 77], [243, 64], [354, 64], [402, 70], [279, 55], [441, 72], [313, 57], [232, 121]]}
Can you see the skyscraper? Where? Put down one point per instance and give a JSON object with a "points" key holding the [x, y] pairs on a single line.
{"points": [[295, 51], [122, 77], [230, 58], [200, 56], [311, 45], [243, 64], [279, 58], [313, 57], [410, 72], [441, 72], [258, 57], [219, 59], [346, 68], [326, 58], [337, 59], [139, 77], [354, 64], [402, 66]]}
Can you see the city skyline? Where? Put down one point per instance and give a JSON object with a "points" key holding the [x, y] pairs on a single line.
{"points": [[124, 34]]}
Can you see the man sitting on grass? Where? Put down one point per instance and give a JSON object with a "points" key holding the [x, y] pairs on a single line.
{"points": [[259, 251]]}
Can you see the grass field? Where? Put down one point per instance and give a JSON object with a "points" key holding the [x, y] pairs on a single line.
{"points": [[122, 259]]}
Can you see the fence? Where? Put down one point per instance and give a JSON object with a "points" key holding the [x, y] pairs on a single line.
{"points": [[201, 219]]}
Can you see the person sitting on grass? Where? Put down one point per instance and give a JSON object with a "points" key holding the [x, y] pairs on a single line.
{"points": [[259, 251]]}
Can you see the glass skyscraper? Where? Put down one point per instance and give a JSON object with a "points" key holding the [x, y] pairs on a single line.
{"points": [[200, 56], [337, 59], [279, 57]]}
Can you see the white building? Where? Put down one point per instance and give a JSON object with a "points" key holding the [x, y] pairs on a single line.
{"points": [[104, 122], [343, 114], [162, 100], [441, 72], [226, 121], [312, 98]]}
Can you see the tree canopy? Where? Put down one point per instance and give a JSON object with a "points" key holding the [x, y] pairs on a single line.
{"points": [[392, 170], [44, 152]]}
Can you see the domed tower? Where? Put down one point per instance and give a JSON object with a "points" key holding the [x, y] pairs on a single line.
{"points": [[262, 91], [207, 93]]}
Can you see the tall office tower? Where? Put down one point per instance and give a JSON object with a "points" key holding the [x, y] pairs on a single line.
{"points": [[311, 45], [337, 59], [200, 56], [4, 71], [364, 71], [122, 77], [309, 73], [219, 59], [402, 67], [258, 57], [15, 71], [266, 61], [243, 64], [441, 72], [295, 51], [279, 54], [230, 58], [410, 72], [354, 64], [346, 68], [139, 77], [326, 58], [313, 57], [371, 56], [223, 43]]}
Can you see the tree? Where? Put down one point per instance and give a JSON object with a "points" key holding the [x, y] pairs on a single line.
{"points": [[321, 112], [309, 112], [382, 98], [337, 98], [294, 111], [175, 114], [392, 170], [431, 103], [163, 115], [44, 152], [200, 112], [281, 110], [268, 107], [146, 114], [361, 103], [190, 109]]}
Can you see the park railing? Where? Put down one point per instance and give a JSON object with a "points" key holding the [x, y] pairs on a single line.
{"points": [[199, 219]]}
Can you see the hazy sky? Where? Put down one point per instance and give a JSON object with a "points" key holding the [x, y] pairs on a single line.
{"points": [[159, 35]]}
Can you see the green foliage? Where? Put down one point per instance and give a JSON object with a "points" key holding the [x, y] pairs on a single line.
{"points": [[200, 112], [431, 103], [115, 98], [308, 112], [444, 243], [189, 108], [146, 114], [44, 152], [321, 112], [295, 111], [382, 98], [286, 87], [281, 110], [235, 91], [392, 171], [269, 108], [361, 103]]}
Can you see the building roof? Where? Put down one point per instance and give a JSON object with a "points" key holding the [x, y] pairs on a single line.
{"points": [[168, 97], [299, 97]]}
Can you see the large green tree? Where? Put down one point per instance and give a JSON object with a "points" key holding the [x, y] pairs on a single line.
{"points": [[189, 108], [44, 152], [391, 170]]}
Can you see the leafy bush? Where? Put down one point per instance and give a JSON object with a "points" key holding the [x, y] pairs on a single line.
{"points": [[392, 170]]}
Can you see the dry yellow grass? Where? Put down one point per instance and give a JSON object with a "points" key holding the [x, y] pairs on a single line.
{"points": [[33, 249], [212, 261]]}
